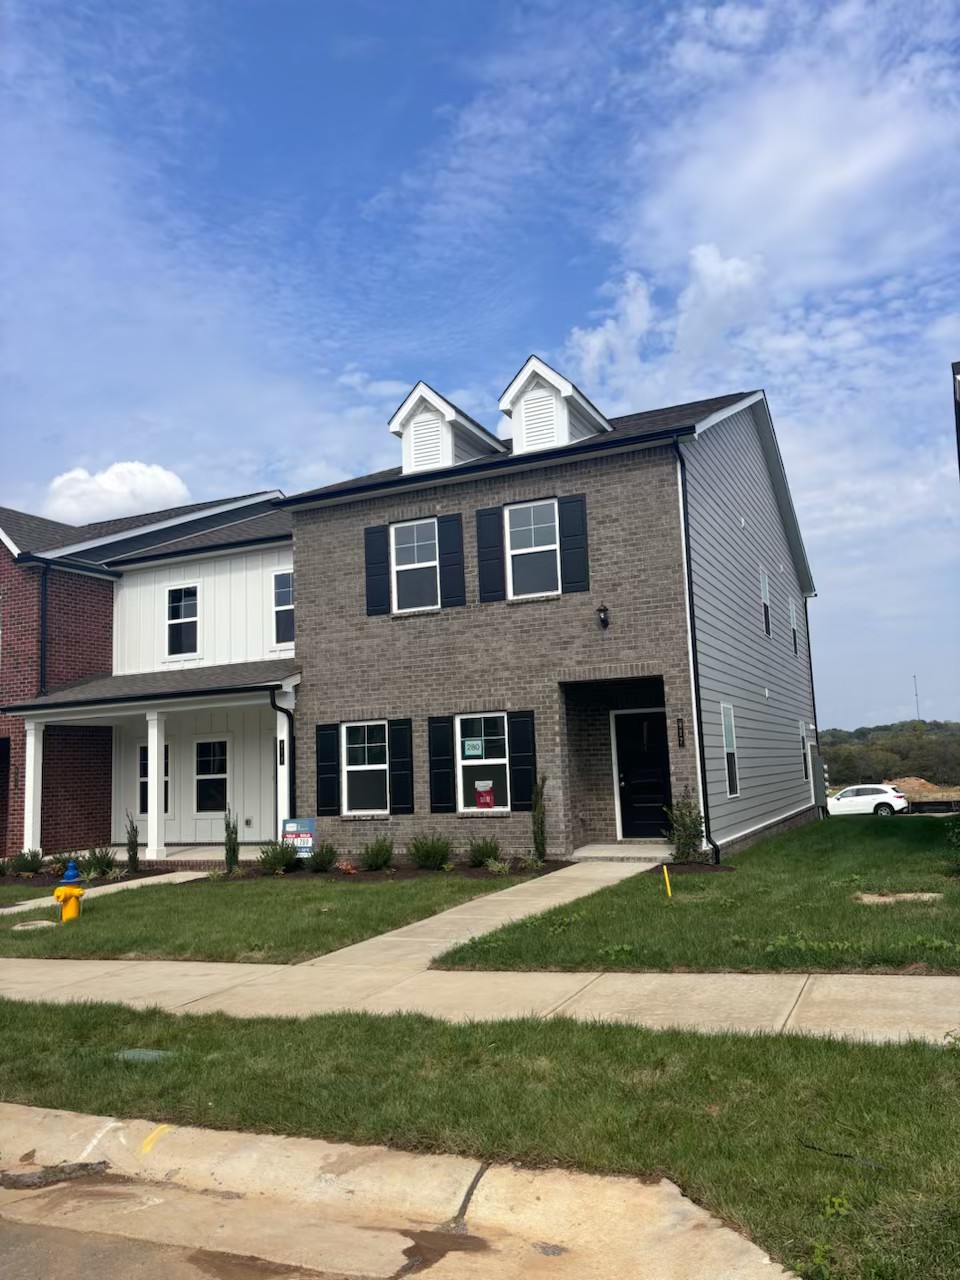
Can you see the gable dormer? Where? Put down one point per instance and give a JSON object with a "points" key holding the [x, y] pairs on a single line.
{"points": [[435, 433], [547, 410]]}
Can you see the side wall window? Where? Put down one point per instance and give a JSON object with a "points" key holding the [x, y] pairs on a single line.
{"points": [[730, 749], [182, 621], [283, 607], [794, 634], [805, 755], [765, 600]]}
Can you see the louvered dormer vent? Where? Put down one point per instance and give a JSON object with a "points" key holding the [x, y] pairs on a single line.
{"points": [[425, 442], [539, 410]]}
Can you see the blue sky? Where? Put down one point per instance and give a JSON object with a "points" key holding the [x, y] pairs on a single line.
{"points": [[235, 234]]}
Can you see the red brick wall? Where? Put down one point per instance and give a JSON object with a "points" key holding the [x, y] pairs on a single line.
{"points": [[79, 643], [77, 763]]}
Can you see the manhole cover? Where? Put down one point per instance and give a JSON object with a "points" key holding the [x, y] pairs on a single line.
{"points": [[878, 899], [25, 925]]}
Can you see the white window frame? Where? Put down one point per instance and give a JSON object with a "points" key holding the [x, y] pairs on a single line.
{"points": [[346, 769], [766, 613], [806, 749], [505, 760], [168, 789], [211, 737], [396, 569], [172, 622], [728, 706], [523, 551], [282, 645], [794, 629]]}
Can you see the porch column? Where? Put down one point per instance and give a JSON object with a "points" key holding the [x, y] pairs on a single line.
{"points": [[284, 764], [32, 784], [156, 736]]}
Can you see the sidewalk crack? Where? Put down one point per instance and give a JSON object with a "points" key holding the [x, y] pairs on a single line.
{"points": [[793, 1008], [548, 1013]]}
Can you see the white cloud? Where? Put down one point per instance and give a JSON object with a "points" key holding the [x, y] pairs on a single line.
{"points": [[122, 489]]}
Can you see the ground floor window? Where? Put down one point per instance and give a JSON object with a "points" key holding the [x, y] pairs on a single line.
{"points": [[365, 767], [143, 789], [803, 752], [211, 776], [730, 749], [483, 775]]}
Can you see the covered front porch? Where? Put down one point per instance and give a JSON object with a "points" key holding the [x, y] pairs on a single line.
{"points": [[185, 748]]}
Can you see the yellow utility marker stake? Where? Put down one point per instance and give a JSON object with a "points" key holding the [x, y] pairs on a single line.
{"points": [[666, 881]]}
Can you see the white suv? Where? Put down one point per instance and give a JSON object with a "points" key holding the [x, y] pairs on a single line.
{"points": [[882, 800]]}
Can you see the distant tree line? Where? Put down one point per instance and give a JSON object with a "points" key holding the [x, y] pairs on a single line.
{"points": [[927, 749]]}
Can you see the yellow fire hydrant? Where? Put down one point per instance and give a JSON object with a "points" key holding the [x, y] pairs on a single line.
{"points": [[68, 893]]}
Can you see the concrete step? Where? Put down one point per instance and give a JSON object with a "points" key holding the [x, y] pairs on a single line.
{"points": [[652, 852]]}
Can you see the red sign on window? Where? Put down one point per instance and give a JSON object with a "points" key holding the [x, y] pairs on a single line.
{"points": [[484, 794]]}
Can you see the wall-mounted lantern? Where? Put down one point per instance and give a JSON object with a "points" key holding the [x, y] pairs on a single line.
{"points": [[603, 616]]}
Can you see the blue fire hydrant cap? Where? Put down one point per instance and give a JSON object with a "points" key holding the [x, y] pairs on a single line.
{"points": [[71, 875]]}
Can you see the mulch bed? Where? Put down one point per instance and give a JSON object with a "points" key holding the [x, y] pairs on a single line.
{"points": [[252, 871], [696, 868], [44, 880]]}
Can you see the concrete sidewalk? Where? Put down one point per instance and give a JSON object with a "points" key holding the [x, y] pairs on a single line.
{"points": [[101, 890], [391, 973]]}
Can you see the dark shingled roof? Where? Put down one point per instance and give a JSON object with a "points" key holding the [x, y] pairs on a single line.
{"points": [[35, 533], [148, 685], [631, 426], [261, 527]]}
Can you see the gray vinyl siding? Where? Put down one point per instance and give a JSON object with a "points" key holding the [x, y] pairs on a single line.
{"points": [[728, 482]]}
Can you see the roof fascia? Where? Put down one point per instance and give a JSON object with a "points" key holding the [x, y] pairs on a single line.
{"points": [[134, 531], [199, 553], [9, 543], [105, 705], [65, 566], [608, 444], [737, 407]]}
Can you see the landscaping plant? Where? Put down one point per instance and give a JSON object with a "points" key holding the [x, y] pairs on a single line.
{"points": [[26, 864], [430, 851], [685, 830], [483, 849], [323, 858], [133, 844], [498, 866], [58, 863], [539, 820], [231, 841], [277, 858], [377, 855], [99, 863]]}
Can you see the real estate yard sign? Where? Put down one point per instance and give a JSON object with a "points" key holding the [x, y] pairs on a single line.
{"points": [[301, 833]]}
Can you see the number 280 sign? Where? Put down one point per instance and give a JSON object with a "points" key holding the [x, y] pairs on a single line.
{"points": [[473, 748]]}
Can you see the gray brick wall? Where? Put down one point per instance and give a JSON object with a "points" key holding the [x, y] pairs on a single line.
{"points": [[501, 656]]}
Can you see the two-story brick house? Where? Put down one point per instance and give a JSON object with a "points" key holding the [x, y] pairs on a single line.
{"points": [[618, 605], [150, 667]]}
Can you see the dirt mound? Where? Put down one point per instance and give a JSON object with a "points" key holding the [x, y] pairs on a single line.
{"points": [[914, 784]]}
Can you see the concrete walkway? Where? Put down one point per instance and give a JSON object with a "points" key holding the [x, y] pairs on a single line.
{"points": [[391, 974], [172, 877]]}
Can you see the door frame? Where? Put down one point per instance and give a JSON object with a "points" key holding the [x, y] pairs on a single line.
{"points": [[625, 711]]}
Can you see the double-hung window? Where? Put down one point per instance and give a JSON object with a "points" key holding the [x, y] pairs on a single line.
{"points": [[211, 776], [730, 749], [415, 566], [182, 621], [483, 774], [283, 607], [143, 788], [765, 600], [794, 635], [365, 786], [803, 751], [533, 549]]}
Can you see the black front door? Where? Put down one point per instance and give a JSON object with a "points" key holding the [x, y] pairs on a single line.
{"points": [[643, 773]]}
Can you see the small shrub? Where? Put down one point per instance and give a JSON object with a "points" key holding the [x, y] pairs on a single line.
{"points": [[345, 868], [685, 831], [133, 844], [98, 863], [231, 841], [58, 863], [28, 863], [277, 858], [482, 850], [377, 855], [323, 858], [498, 866], [429, 852], [530, 862], [539, 820]]}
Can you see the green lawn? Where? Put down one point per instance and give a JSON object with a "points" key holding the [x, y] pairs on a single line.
{"points": [[263, 920], [735, 1120], [789, 905], [12, 891]]}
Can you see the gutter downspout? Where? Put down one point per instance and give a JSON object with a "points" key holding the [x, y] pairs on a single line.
{"points": [[823, 811], [42, 654], [292, 765], [698, 710]]}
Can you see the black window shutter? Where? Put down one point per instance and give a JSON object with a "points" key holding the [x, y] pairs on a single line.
{"points": [[328, 770], [453, 589], [400, 735], [523, 759], [443, 782], [490, 568], [574, 565], [376, 555]]}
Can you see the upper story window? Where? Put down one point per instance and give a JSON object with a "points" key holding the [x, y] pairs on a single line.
{"points": [[804, 755], [365, 787], [794, 634], [283, 607], [415, 566], [765, 600], [730, 749], [533, 549], [182, 621]]}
